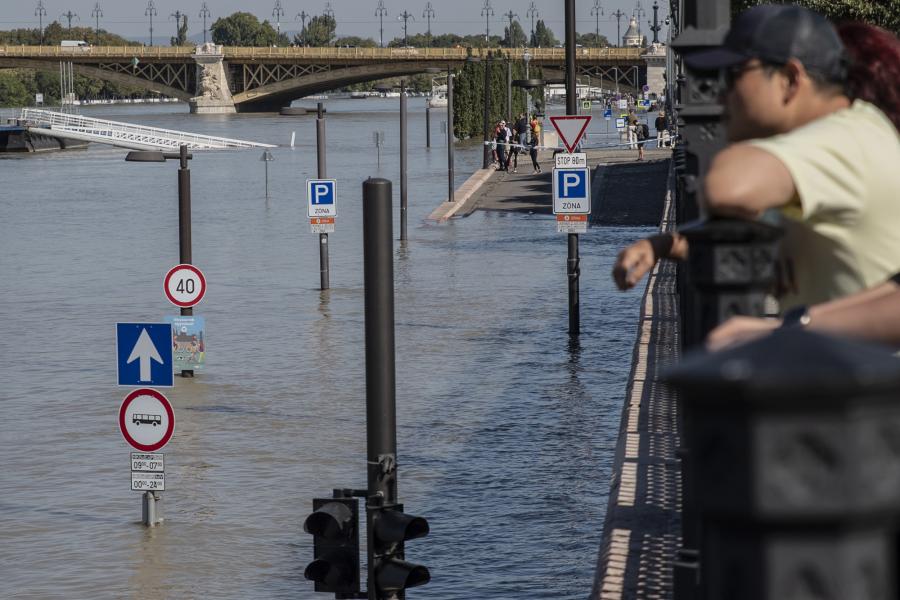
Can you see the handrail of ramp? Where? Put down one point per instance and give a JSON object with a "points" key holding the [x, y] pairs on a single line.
{"points": [[126, 135]]}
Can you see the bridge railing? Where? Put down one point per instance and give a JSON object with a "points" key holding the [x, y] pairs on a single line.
{"points": [[97, 51], [315, 53]]}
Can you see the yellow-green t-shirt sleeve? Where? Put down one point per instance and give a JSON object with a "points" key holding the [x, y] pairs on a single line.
{"points": [[830, 180]]}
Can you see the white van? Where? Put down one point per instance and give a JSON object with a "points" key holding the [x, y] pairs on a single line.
{"points": [[74, 45]]}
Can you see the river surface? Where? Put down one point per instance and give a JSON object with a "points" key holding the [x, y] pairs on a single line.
{"points": [[505, 432]]}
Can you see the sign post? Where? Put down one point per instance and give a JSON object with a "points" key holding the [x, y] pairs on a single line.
{"points": [[321, 200], [147, 422]]}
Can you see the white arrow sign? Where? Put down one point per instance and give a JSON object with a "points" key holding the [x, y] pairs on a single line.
{"points": [[144, 351]]}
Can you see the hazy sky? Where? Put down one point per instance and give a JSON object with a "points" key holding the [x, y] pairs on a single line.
{"points": [[354, 17]]}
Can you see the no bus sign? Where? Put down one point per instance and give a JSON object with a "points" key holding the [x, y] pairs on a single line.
{"points": [[185, 285], [146, 420]]}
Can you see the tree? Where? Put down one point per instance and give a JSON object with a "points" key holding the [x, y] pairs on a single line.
{"points": [[319, 32], [543, 36], [590, 40], [885, 14], [244, 29], [181, 38], [353, 41], [516, 38], [13, 91]]}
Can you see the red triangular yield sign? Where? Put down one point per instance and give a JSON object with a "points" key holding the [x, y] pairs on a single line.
{"points": [[570, 129]]}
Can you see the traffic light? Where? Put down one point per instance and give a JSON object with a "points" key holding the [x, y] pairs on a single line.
{"points": [[334, 524], [389, 573]]}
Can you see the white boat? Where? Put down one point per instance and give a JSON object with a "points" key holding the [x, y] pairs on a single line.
{"points": [[438, 98]]}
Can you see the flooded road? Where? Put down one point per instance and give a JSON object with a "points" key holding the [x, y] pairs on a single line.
{"points": [[505, 430]]}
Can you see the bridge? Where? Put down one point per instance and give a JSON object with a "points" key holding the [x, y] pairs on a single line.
{"points": [[228, 79]]}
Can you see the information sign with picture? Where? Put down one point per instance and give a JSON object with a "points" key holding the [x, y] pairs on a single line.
{"points": [[188, 342]]}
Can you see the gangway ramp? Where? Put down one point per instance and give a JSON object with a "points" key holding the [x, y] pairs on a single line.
{"points": [[124, 135]]}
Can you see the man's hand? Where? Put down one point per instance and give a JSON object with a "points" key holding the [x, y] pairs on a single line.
{"points": [[638, 258], [739, 330], [633, 262]]}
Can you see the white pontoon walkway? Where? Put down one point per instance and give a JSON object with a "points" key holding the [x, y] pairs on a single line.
{"points": [[124, 135]]}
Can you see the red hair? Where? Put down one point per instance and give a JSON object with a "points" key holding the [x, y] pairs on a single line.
{"points": [[874, 67]]}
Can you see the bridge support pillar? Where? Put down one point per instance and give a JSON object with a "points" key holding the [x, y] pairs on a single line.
{"points": [[213, 90], [656, 68]]}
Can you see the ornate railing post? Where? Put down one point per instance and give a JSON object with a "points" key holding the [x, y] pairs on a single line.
{"points": [[794, 445]]}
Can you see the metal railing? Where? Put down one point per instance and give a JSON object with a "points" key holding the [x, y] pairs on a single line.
{"points": [[126, 135], [374, 54]]}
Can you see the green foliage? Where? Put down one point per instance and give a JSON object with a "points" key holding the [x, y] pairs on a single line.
{"points": [[181, 38], [354, 41], [244, 29], [447, 40], [319, 32], [468, 96], [54, 33], [514, 38], [883, 13], [12, 90], [590, 40], [543, 36]]}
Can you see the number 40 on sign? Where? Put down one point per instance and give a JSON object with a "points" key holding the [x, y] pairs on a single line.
{"points": [[185, 285]]}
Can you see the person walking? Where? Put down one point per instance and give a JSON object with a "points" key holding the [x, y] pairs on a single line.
{"points": [[502, 139], [533, 151], [632, 133], [660, 125]]}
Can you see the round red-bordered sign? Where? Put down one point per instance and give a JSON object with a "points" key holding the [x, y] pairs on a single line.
{"points": [[185, 285], [146, 420]]}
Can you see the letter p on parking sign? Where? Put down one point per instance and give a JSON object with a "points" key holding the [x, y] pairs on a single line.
{"points": [[321, 197]]}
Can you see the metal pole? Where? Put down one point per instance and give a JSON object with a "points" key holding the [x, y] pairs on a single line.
{"points": [[486, 162], [149, 512], [267, 179], [320, 159], [509, 110], [184, 223], [451, 188], [427, 126], [572, 264], [381, 415], [403, 190]]}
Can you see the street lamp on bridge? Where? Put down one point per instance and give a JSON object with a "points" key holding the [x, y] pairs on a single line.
{"points": [[204, 14], [428, 14], [277, 13], [487, 12], [151, 12], [303, 16], [532, 12], [40, 12], [596, 11], [70, 15], [97, 13], [380, 12], [405, 16]]}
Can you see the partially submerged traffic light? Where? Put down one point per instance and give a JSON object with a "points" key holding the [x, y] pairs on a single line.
{"points": [[334, 525], [389, 573]]}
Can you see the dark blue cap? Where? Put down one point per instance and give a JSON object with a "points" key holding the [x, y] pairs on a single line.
{"points": [[775, 33]]}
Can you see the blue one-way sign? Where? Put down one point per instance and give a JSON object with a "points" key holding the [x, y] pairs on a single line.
{"points": [[320, 195], [144, 353]]}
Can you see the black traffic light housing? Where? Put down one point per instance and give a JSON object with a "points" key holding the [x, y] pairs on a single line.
{"points": [[389, 528], [334, 525]]}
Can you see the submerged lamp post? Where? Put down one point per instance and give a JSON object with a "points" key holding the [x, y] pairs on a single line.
{"points": [[267, 158], [184, 206]]}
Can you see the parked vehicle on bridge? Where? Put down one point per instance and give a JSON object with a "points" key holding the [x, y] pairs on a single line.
{"points": [[74, 45]]}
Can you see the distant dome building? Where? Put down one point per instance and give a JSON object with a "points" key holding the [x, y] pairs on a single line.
{"points": [[632, 39]]}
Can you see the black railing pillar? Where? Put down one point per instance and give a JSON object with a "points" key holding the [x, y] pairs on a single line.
{"points": [[794, 456]]}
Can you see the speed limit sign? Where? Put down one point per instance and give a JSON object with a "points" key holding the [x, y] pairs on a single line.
{"points": [[185, 285]]}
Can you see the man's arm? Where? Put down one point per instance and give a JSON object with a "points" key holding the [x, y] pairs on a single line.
{"points": [[743, 181]]}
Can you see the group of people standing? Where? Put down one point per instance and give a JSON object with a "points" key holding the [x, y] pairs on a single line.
{"points": [[509, 142]]}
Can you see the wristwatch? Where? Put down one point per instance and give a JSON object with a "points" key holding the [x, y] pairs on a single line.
{"points": [[797, 316]]}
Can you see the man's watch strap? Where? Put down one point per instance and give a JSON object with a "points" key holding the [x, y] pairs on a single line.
{"points": [[797, 316]]}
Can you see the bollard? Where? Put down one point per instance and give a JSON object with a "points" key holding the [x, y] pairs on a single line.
{"points": [[794, 459], [324, 274], [184, 223]]}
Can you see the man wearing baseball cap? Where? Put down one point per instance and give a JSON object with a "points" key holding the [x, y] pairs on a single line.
{"points": [[826, 163]]}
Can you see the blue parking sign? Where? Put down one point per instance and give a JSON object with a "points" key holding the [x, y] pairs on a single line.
{"points": [[321, 198], [144, 352], [572, 191]]}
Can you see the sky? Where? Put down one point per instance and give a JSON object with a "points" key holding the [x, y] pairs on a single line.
{"points": [[354, 17]]}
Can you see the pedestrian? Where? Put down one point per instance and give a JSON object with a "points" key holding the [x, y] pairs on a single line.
{"points": [[632, 133], [515, 146], [533, 152], [660, 125], [827, 166], [640, 137], [502, 140], [536, 128], [494, 133]]}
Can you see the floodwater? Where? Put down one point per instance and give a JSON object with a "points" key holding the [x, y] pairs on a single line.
{"points": [[505, 431]]}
